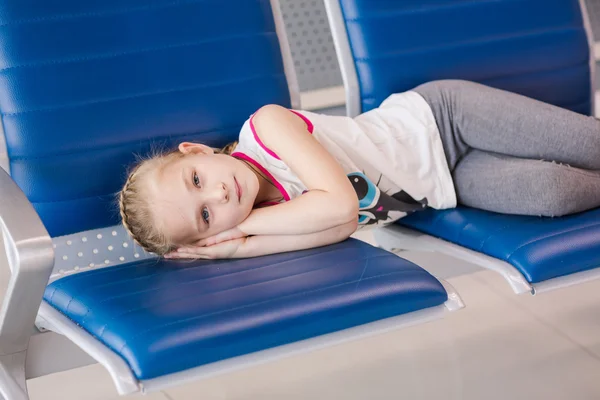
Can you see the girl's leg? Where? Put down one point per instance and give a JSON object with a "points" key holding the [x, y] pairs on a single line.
{"points": [[471, 115], [512, 185]]}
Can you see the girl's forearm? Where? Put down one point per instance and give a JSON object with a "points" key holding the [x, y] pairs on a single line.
{"points": [[255, 246], [314, 211]]}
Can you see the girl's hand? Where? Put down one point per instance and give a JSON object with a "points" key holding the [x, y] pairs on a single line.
{"points": [[224, 249], [231, 234]]}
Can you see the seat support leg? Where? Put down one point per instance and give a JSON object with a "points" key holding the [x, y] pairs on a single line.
{"points": [[13, 385]]}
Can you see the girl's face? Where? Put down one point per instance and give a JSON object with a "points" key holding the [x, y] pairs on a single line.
{"points": [[201, 194]]}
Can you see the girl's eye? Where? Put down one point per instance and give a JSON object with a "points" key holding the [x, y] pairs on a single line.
{"points": [[205, 215], [196, 180]]}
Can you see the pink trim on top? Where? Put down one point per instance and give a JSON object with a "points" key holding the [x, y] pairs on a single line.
{"points": [[260, 143], [279, 186], [309, 126]]}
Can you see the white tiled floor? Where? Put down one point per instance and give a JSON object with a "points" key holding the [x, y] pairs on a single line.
{"points": [[501, 346]]}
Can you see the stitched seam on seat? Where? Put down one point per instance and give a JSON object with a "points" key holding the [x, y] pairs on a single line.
{"points": [[542, 70], [521, 75], [469, 43], [135, 265], [100, 196], [363, 273], [103, 271], [52, 295], [123, 144], [551, 236], [224, 291], [503, 227], [276, 265], [437, 219], [525, 74], [62, 282], [100, 13], [131, 52], [565, 105], [154, 93], [462, 230], [260, 303], [453, 6]]}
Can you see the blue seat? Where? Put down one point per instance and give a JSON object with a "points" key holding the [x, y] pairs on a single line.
{"points": [[540, 248], [85, 87], [392, 46], [169, 316]]}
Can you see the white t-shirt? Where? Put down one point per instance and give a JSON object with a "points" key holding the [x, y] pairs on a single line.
{"points": [[393, 156]]}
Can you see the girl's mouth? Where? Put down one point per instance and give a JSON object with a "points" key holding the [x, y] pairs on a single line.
{"points": [[238, 189]]}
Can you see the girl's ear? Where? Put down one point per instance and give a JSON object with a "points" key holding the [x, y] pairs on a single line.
{"points": [[195, 148]]}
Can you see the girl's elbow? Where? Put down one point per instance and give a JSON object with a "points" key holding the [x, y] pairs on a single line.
{"points": [[349, 210], [352, 226], [341, 232], [347, 229], [342, 208]]}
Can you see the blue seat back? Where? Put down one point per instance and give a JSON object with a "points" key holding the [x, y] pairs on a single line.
{"points": [[538, 48], [85, 85]]}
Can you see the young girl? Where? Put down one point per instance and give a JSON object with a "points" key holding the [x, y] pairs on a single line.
{"points": [[298, 180]]}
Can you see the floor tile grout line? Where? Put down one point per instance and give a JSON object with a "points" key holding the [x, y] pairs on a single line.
{"points": [[164, 393]]}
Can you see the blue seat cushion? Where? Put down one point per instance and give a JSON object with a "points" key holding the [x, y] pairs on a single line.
{"points": [[540, 248], [167, 316]]}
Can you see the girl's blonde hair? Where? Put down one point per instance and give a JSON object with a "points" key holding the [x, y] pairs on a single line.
{"points": [[135, 205]]}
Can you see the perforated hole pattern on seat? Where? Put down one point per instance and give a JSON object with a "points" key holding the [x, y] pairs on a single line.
{"points": [[99, 248]]}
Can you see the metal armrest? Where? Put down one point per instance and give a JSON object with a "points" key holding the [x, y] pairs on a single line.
{"points": [[30, 258]]}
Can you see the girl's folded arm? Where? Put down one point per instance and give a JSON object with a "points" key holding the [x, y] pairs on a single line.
{"points": [[255, 246], [330, 201]]}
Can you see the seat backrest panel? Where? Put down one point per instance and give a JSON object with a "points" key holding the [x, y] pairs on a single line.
{"points": [[86, 85], [537, 48]]}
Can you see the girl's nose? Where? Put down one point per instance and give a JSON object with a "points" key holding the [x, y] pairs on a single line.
{"points": [[219, 194]]}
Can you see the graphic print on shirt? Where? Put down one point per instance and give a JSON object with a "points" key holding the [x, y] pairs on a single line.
{"points": [[377, 207]]}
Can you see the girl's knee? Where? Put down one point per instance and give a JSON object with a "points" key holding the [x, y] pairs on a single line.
{"points": [[563, 191]]}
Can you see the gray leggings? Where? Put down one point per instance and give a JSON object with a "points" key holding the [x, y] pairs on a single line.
{"points": [[511, 154]]}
